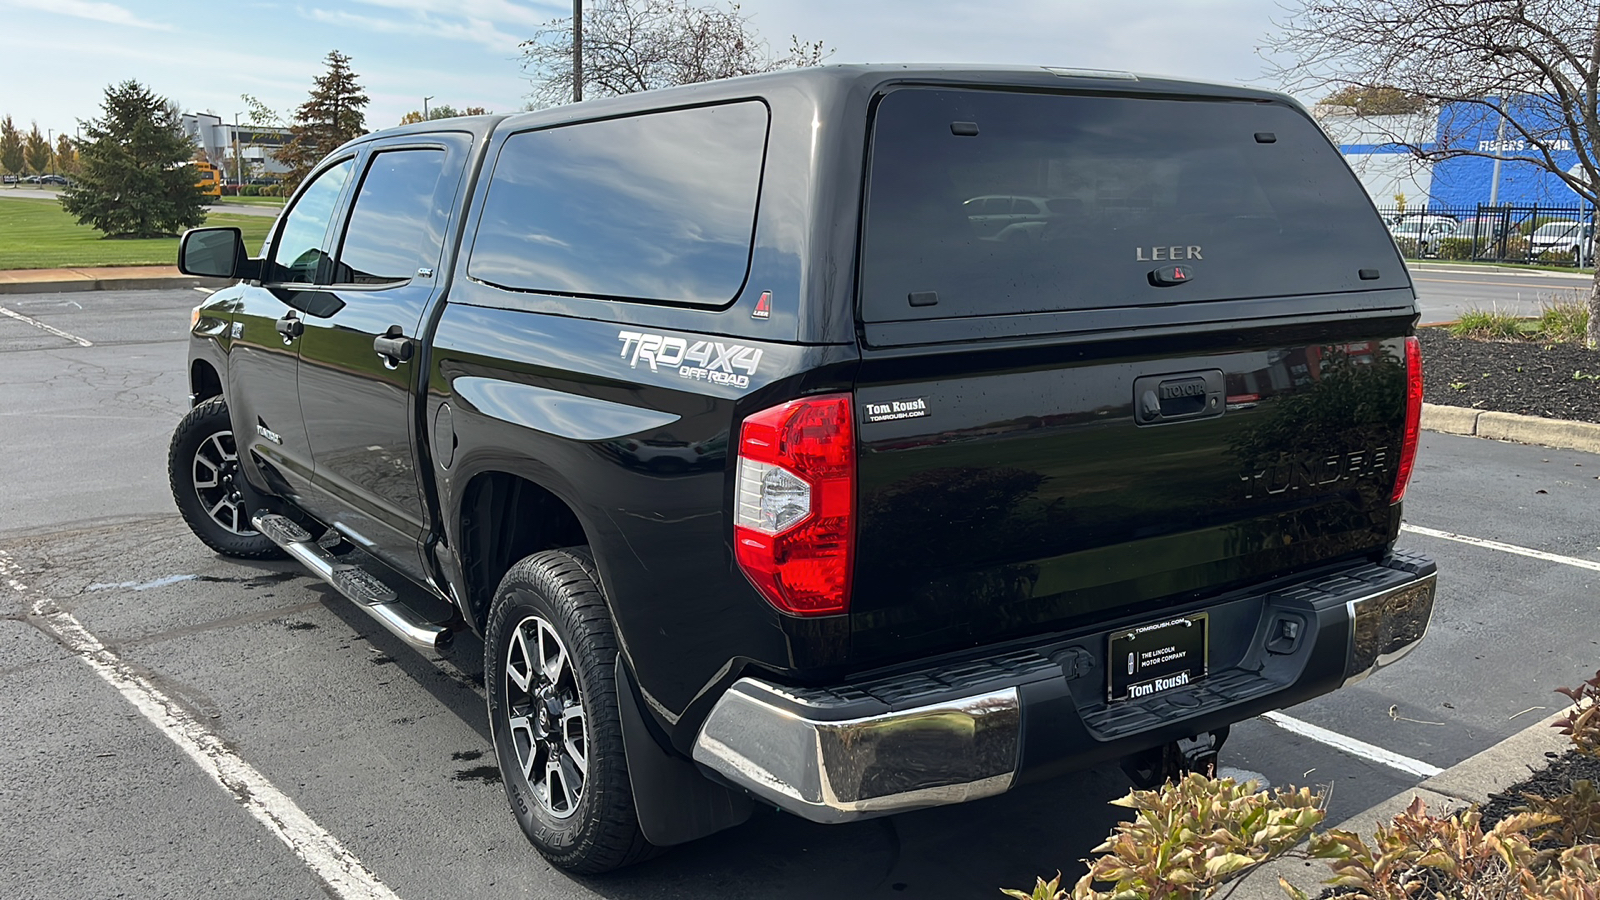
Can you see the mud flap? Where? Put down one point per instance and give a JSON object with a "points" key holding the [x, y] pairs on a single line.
{"points": [[674, 802]]}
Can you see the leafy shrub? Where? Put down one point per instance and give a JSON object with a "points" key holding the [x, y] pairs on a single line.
{"points": [[1455, 248], [1188, 838], [271, 190], [1582, 722], [1558, 257], [1408, 247], [250, 190]]}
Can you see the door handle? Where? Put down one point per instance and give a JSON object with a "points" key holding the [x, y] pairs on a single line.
{"points": [[393, 345], [290, 327]]}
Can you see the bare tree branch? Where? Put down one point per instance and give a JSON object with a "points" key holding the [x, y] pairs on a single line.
{"points": [[1536, 63], [640, 45]]}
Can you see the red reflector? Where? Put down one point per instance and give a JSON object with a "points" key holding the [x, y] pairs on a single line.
{"points": [[1408, 449], [794, 504]]}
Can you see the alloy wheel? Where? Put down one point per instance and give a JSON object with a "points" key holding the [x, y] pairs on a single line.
{"points": [[216, 473], [547, 721]]}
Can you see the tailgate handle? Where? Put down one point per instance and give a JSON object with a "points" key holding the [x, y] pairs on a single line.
{"points": [[1158, 399]]}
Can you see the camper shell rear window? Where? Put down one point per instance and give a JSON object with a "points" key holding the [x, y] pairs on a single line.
{"points": [[984, 202]]}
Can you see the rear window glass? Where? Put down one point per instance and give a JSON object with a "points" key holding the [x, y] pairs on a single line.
{"points": [[1065, 202], [653, 207]]}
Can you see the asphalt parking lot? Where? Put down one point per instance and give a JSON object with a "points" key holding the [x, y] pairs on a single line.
{"points": [[180, 725]]}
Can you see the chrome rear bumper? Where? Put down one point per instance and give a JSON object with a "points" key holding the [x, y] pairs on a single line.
{"points": [[769, 742]]}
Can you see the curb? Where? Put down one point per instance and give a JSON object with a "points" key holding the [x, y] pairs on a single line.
{"points": [[1561, 434], [100, 278], [1470, 781]]}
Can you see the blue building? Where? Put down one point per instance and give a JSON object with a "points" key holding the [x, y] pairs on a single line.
{"points": [[1389, 170]]}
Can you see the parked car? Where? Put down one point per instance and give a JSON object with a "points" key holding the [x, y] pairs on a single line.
{"points": [[1483, 228], [54, 179], [1424, 232], [1564, 237], [767, 482]]}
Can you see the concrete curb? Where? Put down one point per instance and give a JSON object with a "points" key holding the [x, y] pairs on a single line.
{"points": [[1470, 781], [99, 278], [1498, 426]]}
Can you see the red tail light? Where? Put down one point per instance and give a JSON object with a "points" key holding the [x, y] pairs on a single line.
{"points": [[1408, 449], [794, 504]]}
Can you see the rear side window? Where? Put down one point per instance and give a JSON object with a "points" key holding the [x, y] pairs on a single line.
{"points": [[395, 226], [653, 207], [1064, 202]]}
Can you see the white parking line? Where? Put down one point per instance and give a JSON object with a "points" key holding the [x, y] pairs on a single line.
{"points": [[1352, 746], [206, 290], [1507, 548], [320, 851], [82, 342]]}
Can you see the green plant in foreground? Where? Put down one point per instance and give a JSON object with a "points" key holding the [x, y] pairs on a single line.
{"points": [[1491, 324], [1579, 376], [1188, 839], [1582, 722], [1565, 318]]}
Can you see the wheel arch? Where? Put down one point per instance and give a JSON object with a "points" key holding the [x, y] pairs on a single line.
{"points": [[502, 518], [204, 382]]}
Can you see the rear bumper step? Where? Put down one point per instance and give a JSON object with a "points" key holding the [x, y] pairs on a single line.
{"points": [[979, 727], [360, 586]]}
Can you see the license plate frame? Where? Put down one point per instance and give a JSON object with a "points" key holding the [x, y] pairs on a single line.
{"points": [[1157, 657]]}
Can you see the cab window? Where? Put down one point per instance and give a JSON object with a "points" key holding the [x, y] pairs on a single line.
{"points": [[301, 255]]}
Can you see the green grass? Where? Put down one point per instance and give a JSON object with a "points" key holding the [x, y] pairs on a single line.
{"points": [[36, 234], [249, 201], [1565, 317], [1485, 323]]}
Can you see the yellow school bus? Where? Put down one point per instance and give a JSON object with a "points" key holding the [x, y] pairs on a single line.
{"points": [[210, 182]]}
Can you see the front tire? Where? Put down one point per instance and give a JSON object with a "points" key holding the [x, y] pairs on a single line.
{"points": [[549, 669], [203, 469]]}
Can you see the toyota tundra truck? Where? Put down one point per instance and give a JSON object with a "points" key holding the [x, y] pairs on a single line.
{"points": [[850, 440]]}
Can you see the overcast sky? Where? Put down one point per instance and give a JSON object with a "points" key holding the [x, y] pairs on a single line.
{"points": [[57, 56]]}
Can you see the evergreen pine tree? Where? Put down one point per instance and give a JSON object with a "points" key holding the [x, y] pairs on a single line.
{"points": [[331, 116], [11, 157], [37, 150], [135, 178]]}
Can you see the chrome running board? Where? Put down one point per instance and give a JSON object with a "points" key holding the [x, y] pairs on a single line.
{"points": [[374, 597]]}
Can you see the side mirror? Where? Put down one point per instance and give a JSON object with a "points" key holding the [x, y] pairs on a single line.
{"points": [[214, 253]]}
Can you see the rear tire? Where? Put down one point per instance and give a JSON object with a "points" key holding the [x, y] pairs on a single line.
{"points": [[203, 469], [549, 668]]}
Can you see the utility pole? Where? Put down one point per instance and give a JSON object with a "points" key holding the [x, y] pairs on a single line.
{"points": [[577, 51], [50, 141], [238, 165], [1499, 150], [425, 107]]}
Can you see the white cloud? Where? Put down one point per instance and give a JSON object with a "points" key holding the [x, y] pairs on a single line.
{"points": [[478, 31], [109, 13], [486, 10]]}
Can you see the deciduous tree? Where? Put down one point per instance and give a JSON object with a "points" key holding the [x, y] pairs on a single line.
{"points": [[66, 155], [135, 177], [11, 156], [331, 116], [638, 45], [36, 147], [1532, 64], [1375, 101], [442, 111]]}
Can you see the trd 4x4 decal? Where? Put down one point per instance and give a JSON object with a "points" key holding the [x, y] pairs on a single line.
{"points": [[711, 361]]}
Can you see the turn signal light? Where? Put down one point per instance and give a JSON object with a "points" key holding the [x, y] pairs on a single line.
{"points": [[794, 504], [1408, 449]]}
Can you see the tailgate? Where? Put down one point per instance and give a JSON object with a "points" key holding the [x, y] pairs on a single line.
{"points": [[1007, 500]]}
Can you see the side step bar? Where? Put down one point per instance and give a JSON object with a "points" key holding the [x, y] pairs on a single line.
{"points": [[373, 596]]}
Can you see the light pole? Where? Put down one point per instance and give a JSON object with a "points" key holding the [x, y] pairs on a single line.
{"points": [[425, 108], [50, 141], [577, 51], [238, 164]]}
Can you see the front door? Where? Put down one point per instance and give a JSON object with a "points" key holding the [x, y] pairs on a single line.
{"points": [[263, 390], [359, 365]]}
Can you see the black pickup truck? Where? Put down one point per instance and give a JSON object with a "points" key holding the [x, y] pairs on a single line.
{"points": [[851, 440]]}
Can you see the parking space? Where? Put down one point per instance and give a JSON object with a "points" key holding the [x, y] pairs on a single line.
{"points": [[388, 752]]}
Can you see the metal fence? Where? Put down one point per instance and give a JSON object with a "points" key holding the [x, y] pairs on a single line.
{"points": [[1549, 235]]}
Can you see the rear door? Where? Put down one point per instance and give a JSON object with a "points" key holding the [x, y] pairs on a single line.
{"points": [[1186, 374], [360, 355]]}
